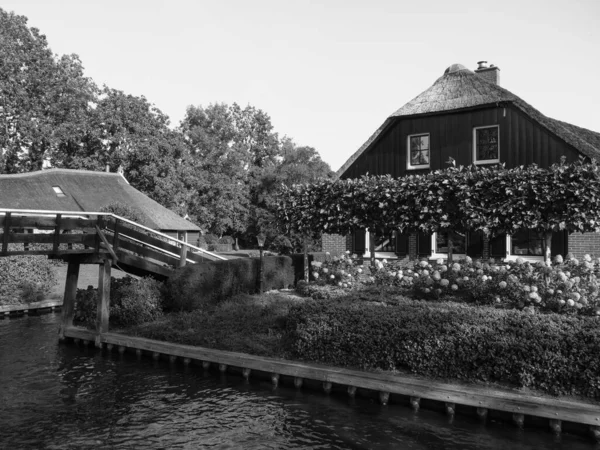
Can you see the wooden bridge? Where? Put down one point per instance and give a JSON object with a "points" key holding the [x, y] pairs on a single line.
{"points": [[95, 238]]}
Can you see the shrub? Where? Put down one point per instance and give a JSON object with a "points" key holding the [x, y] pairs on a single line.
{"points": [[211, 239], [202, 242], [342, 271], [123, 210], [552, 353], [197, 286], [228, 240], [25, 278], [281, 244], [131, 302]]}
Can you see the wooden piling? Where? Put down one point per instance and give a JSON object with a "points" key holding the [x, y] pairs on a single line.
{"points": [[415, 403], [384, 397], [246, 373], [275, 379], [450, 408], [298, 382], [103, 302], [352, 391], [518, 419], [68, 308], [327, 387], [482, 413], [222, 368], [555, 425], [205, 365]]}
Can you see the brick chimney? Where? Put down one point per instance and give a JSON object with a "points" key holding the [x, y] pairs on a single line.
{"points": [[489, 73]]}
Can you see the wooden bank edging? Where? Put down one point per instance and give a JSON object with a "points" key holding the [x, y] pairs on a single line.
{"points": [[6, 310], [483, 399]]}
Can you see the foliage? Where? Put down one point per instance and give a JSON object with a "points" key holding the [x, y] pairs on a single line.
{"points": [[199, 286], [25, 278], [551, 353], [569, 287], [227, 240], [281, 244], [120, 209], [494, 200], [243, 323], [132, 302], [211, 239], [342, 271]]}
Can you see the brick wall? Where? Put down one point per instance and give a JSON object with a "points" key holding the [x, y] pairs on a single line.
{"points": [[336, 243], [586, 243]]}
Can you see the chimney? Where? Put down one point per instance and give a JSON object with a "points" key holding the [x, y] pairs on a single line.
{"points": [[489, 73]]}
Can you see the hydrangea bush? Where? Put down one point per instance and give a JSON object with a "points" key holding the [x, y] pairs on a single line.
{"points": [[342, 271], [566, 286]]}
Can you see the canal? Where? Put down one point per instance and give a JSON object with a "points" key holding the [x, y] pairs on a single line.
{"points": [[56, 396]]}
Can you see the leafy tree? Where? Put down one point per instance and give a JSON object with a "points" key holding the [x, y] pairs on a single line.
{"points": [[44, 99]]}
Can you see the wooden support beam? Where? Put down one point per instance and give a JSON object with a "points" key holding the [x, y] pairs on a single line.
{"points": [[56, 242], [384, 397], [115, 242], [6, 232], [450, 408], [415, 403], [482, 413], [518, 419], [103, 302], [246, 373], [275, 379], [183, 249], [555, 425], [327, 385], [106, 244], [68, 307], [298, 382], [205, 365]]}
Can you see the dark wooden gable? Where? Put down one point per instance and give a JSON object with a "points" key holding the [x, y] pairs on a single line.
{"points": [[523, 141]]}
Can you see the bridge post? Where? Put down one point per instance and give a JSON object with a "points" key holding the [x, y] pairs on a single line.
{"points": [[103, 301], [182, 236], [68, 307]]}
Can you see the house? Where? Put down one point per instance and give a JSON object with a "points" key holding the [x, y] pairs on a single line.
{"points": [[467, 116], [82, 190]]}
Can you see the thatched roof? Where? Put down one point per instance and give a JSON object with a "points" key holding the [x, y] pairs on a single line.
{"points": [[84, 191], [459, 88]]}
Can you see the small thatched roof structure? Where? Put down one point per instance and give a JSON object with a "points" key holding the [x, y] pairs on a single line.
{"points": [[84, 190], [459, 89]]}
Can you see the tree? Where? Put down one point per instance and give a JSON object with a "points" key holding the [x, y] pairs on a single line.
{"points": [[44, 99]]}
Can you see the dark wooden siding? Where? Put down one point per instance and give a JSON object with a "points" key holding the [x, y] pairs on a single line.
{"points": [[522, 142]]}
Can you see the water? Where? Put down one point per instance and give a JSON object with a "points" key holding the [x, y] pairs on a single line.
{"points": [[57, 396]]}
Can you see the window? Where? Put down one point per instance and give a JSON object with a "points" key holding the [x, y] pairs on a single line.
{"points": [[385, 242], [486, 144], [459, 243], [58, 191], [527, 243], [418, 151]]}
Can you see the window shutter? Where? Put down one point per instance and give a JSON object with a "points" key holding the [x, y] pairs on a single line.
{"points": [[401, 244], [559, 243], [498, 246], [423, 244], [358, 241], [475, 244]]}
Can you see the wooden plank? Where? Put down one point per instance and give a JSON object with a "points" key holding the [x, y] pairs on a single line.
{"points": [[473, 395], [103, 300], [115, 242], [106, 244], [148, 252], [6, 233], [182, 250], [143, 264], [46, 238], [129, 232], [69, 298]]}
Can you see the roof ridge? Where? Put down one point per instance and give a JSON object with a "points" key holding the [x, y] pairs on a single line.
{"points": [[57, 170]]}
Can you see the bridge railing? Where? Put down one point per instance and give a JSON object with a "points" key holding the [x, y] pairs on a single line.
{"points": [[96, 232]]}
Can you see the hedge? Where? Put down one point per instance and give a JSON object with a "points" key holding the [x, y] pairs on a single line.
{"points": [[548, 352], [25, 278], [298, 263], [197, 285]]}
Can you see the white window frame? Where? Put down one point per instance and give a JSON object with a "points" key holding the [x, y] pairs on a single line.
{"points": [[381, 255], [511, 257], [436, 255], [485, 161], [409, 166], [58, 191]]}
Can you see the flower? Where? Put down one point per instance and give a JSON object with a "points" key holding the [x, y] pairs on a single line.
{"points": [[325, 270], [347, 252], [359, 270], [440, 261], [502, 284], [465, 278], [468, 260], [443, 268], [332, 276], [576, 296], [423, 264], [454, 287], [340, 284], [550, 291], [425, 273], [456, 267], [534, 289], [558, 259], [526, 288], [575, 261], [436, 276], [570, 302], [520, 260], [426, 290], [587, 258], [316, 275], [444, 282], [484, 278]]}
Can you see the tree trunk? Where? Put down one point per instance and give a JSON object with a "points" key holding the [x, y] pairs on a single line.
{"points": [[306, 259], [548, 247], [450, 245]]}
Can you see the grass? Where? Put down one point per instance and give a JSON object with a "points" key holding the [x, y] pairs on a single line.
{"points": [[252, 324]]}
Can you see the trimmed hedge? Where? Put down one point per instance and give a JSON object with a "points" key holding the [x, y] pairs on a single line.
{"points": [[198, 285], [25, 278], [551, 353]]}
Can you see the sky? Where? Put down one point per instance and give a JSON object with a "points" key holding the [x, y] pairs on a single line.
{"points": [[327, 72]]}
